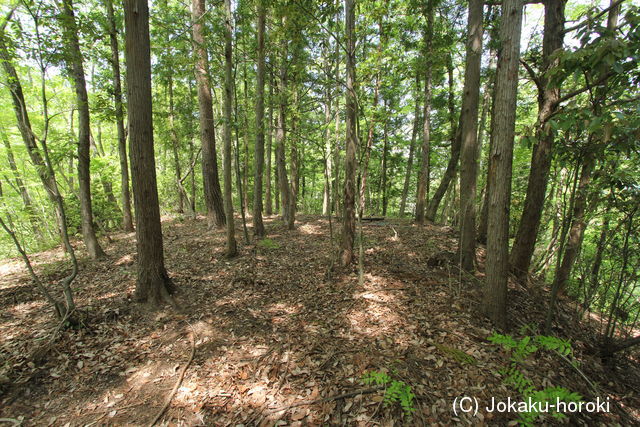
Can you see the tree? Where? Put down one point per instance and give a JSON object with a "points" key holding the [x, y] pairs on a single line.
{"points": [[548, 96], [210, 181], [349, 211], [232, 248], [127, 217], [76, 71], [469, 137], [258, 226], [497, 263], [153, 284]]}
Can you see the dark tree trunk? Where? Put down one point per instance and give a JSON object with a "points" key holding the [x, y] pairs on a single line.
{"points": [[76, 70], [232, 247], [269, 131], [469, 138], [548, 97], [153, 284], [210, 178], [127, 217], [497, 263], [349, 208], [412, 149], [258, 226]]}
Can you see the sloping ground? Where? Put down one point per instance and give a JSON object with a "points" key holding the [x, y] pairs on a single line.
{"points": [[276, 334]]}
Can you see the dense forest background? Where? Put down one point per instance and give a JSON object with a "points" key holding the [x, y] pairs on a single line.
{"points": [[515, 124]]}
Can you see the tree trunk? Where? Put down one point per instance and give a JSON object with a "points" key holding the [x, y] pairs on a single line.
{"points": [[548, 97], [127, 217], [76, 70], [412, 149], [268, 197], [210, 180], [283, 180], [258, 226], [153, 285], [174, 147], [469, 137], [349, 208], [455, 138], [232, 247], [497, 263], [425, 165]]}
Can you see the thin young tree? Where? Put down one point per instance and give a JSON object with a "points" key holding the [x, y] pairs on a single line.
{"points": [[153, 284], [232, 247], [506, 90], [73, 59], [258, 226], [349, 208]]}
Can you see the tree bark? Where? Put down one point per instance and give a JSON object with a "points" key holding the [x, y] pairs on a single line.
{"points": [[174, 147], [232, 247], [210, 179], [412, 149], [425, 165], [469, 137], [548, 97], [283, 180], [153, 284], [258, 226], [125, 196], [497, 263], [269, 133], [349, 208], [76, 70]]}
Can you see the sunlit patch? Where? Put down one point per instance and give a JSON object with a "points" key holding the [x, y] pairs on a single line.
{"points": [[10, 268], [127, 259], [312, 229]]}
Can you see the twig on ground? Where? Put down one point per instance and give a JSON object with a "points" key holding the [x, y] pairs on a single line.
{"points": [[329, 399], [178, 382]]}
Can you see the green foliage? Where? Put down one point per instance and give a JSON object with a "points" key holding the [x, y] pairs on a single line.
{"points": [[459, 355], [516, 378], [394, 392], [268, 244]]}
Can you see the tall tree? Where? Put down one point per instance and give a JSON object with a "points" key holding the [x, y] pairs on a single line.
{"points": [[125, 193], [506, 90], [153, 284], [210, 179], [258, 226], [76, 71], [469, 137], [425, 164], [548, 96], [349, 208], [232, 247]]}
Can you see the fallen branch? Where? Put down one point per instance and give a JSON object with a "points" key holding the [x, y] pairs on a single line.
{"points": [[177, 385], [329, 399]]}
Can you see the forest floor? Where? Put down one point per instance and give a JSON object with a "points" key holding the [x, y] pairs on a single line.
{"points": [[278, 337]]}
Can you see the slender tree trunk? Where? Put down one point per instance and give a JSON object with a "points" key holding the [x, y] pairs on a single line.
{"points": [[425, 165], [125, 196], [258, 226], [268, 197], [20, 186], [328, 151], [283, 180], [412, 148], [232, 247], [210, 179], [174, 147], [548, 97], [384, 166], [349, 209], [76, 70], [497, 264], [455, 138], [469, 138], [153, 285]]}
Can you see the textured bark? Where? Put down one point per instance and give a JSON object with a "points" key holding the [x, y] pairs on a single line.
{"points": [[349, 208], [258, 226], [283, 180], [469, 138], [425, 165], [76, 71], [497, 263], [454, 136], [232, 247], [125, 195], [548, 97], [174, 147], [210, 179], [153, 284], [269, 134]]}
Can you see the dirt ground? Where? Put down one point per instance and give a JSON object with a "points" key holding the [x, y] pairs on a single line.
{"points": [[280, 336]]}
